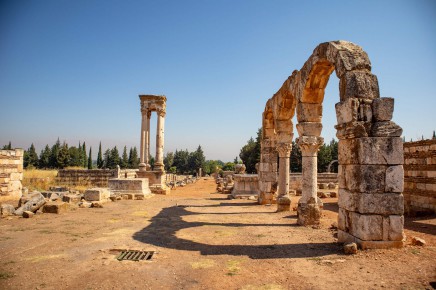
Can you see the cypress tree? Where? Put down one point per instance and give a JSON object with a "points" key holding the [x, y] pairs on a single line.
{"points": [[125, 159], [54, 154], [114, 159], [44, 158], [63, 156], [31, 158], [134, 159], [434, 137], [90, 158], [107, 158], [85, 158], [100, 162]]}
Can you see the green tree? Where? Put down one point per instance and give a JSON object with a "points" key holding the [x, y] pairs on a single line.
{"points": [[76, 156], [8, 147], [114, 159], [196, 160], [324, 157], [100, 161], [124, 163], [106, 158], [54, 154], [85, 158], [434, 137], [63, 156], [229, 166], [30, 159], [250, 153], [133, 158], [211, 166], [296, 159], [168, 160], [90, 158], [44, 157], [181, 161]]}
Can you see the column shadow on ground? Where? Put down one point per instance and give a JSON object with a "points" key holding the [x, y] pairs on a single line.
{"points": [[164, 226]]}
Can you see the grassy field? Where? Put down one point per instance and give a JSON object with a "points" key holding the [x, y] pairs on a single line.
{"points": [[39, 179]]}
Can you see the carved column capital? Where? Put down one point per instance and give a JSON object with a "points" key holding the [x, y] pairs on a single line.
{"points": [[161, 112], [309, 145], [284, 150]]}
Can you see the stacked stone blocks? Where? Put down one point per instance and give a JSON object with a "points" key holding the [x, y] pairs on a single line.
{"points": [[420, 176], [11, 173]]}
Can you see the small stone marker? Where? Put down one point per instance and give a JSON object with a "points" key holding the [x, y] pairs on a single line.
{"points": [[418, 242], [28, 214]]}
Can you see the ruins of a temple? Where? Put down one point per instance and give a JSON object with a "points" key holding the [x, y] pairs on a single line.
{"points": [[370, 148], [156, 175]]}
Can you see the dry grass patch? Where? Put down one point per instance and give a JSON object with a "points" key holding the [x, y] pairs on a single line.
{"points": [[39, 179]]}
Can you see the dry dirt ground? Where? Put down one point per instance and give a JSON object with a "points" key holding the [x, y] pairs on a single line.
{"points": [[202, 241]]}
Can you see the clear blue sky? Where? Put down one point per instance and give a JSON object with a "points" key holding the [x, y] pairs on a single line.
{"points": [[74, 69]]}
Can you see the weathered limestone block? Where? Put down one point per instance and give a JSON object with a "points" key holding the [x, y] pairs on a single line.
{"points": [[355, 129], [7, 209], [395, 230], [386, 129], [56, 208], [309, 213], [309, 129], [347, 110], [372, 203], [137, 186], [72, 198], [36, 200], [383, 109], [28, 214], [283, 203], [365, 178], [394, 179], [367, 227], [365, 111], [307, 112], [371, 150], [97, 194], [358, 84], [351, 59]]}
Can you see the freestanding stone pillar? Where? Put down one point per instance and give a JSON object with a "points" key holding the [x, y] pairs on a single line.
{"points": [[149, 104], [283, 200], [267, 172], [159, 165], [309, 206]]}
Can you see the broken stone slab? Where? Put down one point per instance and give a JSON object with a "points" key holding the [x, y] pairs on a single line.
{"points": [[416, 241], [96, 204], [25, 198], [36, 201], [59, 188], [350, 249], [7, 210], [322, 194], [28, 214], [85, 204], [72, 198], [358, 84], [97, 194], [383, 109], [56, 208], [386, 129]]}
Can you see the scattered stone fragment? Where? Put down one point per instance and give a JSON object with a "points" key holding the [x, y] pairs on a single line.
{"points": [[322, 194], [7, 209], [96, 204], [416, 241], [28, 214], [56, 208], [333, 194], [113, 198], [36, 200], [71, 198], [85, 204], [350, 249], [331, 185]]}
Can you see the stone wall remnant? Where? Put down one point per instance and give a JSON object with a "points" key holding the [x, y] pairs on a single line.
{"points": [[11, 173], [420, 177], [370, 181]]}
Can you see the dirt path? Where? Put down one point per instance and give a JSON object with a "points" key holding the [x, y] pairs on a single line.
{"points": [[203, 241]]}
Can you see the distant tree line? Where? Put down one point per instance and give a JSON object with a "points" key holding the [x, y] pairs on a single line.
{"points": [[59, 156], [250, 155]]}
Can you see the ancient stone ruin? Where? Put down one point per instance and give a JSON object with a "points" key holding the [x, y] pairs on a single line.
{"points": [[156, 177], [370, 148], [11, 173]]}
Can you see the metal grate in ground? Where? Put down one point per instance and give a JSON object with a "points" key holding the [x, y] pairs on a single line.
{"points": [[135, 255]]}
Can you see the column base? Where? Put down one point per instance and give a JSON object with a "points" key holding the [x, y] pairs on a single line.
{"points": [[283, 203], [344, 237], [309, 214], [266, 198], [159, 167]]}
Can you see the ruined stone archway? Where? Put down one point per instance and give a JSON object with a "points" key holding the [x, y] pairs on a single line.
{"points": [[370, 147]]}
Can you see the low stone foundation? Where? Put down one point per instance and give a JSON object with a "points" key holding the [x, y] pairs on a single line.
{"points": [[245, 185], [137, 187], [156, 181]]}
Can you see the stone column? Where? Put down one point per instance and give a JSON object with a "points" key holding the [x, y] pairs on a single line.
{"points": [[143, 138], [147, 140], [267, 172], [283, 200], [159, 165], [308, 210]]}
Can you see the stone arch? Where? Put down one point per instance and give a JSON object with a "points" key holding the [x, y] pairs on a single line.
{"points": [[370, 147]]}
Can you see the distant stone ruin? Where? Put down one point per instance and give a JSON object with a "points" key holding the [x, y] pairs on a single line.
{"points": [[156, 177], [370, 148], [11, 173]]}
